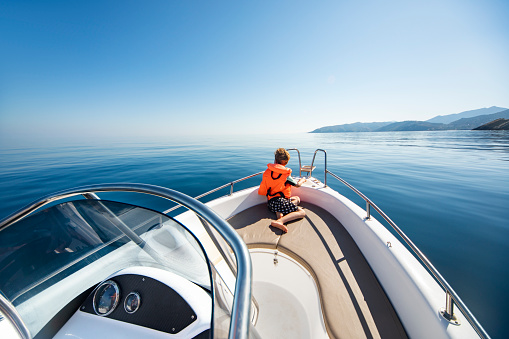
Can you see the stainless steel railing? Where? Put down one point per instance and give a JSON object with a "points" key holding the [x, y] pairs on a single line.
{"points": [[300, 163], [230, 184], [309, 169], [451, 297], [240, 317]]}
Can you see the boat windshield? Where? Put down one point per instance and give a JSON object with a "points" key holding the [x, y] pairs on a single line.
{"points": [[68, 248]]}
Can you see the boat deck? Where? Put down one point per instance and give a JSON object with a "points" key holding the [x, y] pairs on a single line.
{"points": [[354, 304]]}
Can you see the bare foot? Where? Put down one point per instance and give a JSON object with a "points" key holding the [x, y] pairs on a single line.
{"points": [[279, 225]]}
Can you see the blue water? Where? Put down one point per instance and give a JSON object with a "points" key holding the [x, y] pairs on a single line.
{"points": [[447, 190]]}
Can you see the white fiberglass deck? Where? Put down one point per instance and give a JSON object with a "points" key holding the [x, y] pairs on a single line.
{"points": [[287, 296]]}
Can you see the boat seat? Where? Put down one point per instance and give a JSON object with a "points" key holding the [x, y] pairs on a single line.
{"points": [[354, 304], [252, 226]]}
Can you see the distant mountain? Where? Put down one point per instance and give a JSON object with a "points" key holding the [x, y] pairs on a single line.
{"points": [[461, 124], [355, 127], [470, 123], [459, 121], [446, 119], [412, 126], [499, 124]]}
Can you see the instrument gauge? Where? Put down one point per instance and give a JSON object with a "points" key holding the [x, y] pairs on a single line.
{"points": [[106, 298], [132, 302]]}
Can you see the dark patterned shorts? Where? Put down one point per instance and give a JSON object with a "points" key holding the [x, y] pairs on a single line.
{"points": [[281, 205]]}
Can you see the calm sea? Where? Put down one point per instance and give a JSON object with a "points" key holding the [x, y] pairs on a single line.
{"points": [[447, 190]]}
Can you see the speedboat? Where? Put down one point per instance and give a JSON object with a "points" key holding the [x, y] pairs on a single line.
{"points": [[77, 264]]}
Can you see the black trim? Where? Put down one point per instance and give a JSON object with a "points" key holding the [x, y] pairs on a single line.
{"points": [[204, 335]]}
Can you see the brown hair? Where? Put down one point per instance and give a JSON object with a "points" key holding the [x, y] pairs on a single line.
{"points": [[281, 155]]}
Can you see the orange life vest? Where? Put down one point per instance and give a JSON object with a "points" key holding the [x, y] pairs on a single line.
{"points": [[274, 182]]}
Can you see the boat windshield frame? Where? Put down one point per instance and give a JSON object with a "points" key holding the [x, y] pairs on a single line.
{"points": [[240, 312]]}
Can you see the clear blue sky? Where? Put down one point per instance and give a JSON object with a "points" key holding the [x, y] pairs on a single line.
{"points": [[184, 67]]}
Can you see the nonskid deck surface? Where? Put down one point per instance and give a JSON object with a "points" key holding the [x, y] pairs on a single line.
{"points": [[353, 303]]}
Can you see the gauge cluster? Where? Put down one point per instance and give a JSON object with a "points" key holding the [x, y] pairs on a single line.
{"points": [[143, 302]]}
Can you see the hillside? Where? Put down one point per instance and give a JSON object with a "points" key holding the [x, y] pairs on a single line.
{"points": [[499, 124], [446, 119], [465, 122], [471, 123], [412, 126], [355, 127]]}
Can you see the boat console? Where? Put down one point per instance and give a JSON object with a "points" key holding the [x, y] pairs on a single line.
{"points": [[142, 302]]}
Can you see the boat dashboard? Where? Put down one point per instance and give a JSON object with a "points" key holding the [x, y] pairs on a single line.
{"points": [[94, 268], [142, 302]]}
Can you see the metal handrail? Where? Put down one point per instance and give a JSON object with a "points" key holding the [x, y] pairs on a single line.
{"points": [[215, 190], [300, 163], [239, 325], [313, 161], [451, 296]]}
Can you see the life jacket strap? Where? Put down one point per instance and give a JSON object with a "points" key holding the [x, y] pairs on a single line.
{"points": [[273, 195], [272, 175]]}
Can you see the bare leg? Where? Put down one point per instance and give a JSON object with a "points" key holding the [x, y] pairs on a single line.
{"points": [[277, 224], [280, 222]]}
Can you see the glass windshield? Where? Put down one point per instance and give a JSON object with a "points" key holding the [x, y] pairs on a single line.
{"points": [[68, 248]]}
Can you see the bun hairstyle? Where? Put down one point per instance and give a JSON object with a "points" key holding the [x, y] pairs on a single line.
{"points": [[281, 155]]}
